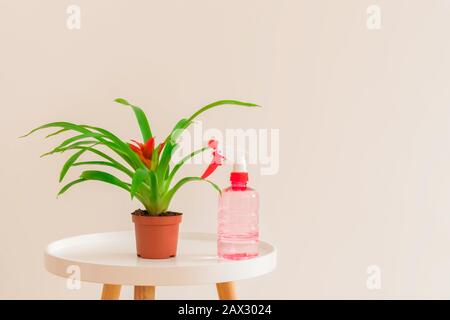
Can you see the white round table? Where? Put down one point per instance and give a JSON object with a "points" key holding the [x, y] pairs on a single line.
{"points": [[110, 259]]}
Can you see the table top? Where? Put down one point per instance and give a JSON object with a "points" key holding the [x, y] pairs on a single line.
{"points": [[111, 258]]}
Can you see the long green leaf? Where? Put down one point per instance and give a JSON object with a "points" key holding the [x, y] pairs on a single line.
{"points": [[104, 177], [69, 163], [140, 176], [64, 125], [120, 147], [140, 117], [69, 185], [69, 147], [104, 163], [178, 130], [155, 158], [183, 161], [169, 195], [77, 138], [154, 190], [182, 125], [56, 133], [170, 147], [220, 103], [164, 162], [78, 146], [116, 164], [116, 145]]}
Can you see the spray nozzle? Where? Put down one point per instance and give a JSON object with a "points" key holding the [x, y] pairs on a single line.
{"points": [[240, 165]]}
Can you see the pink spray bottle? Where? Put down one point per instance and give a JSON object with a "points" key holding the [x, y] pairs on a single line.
{"points": [[238, 231]]}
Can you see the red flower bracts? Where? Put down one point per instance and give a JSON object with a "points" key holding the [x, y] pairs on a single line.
{"points": [[145, 151]]}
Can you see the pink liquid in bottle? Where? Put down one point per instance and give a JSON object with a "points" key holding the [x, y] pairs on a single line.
{"points": [[238, 230]]}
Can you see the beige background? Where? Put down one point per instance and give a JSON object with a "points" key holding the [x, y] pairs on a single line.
{"points": [[363, 116]]}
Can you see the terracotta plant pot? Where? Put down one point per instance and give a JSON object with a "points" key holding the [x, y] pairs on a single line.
{"points": [[156, 236]]}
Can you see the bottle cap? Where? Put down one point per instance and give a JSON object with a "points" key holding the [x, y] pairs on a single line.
{"points": [[239, 173]]}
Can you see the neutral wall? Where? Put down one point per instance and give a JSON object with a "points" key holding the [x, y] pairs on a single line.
{"points": [[364, 132]]}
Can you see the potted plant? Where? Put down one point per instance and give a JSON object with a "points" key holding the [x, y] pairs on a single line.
{"points": [[148, 170]]}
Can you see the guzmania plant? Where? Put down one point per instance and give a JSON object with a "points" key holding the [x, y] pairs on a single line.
{"points": [[147, 166]]}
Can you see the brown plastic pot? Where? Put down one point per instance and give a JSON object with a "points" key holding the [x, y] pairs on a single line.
{"points": [[156, 236]]}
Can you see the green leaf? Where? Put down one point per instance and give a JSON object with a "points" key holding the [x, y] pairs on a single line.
{"points": [[182, 125], [115, 144], [95, 162], [64, 125], [164, 162], [70, 147], [169, 195], [154, 193], [220, 103], [122, 101], [140, 117], [140, 176], [79, 137], [56, 133], [104, 177], [80, 146], [69, 185], [170, 147], [178, 130], [118, 146], [116, 164], [104, 163], [100, 153], [183, 161], [69, 163]]}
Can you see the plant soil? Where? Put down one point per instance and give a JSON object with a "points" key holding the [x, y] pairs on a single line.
{"points": [[140, 212]]}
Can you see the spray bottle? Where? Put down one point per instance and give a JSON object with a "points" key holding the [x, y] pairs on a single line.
{"points": [[238, 231]]}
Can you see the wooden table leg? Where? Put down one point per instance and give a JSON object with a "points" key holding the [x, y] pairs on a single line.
{"points": [[144, 293], [111, 292], [226, 291]]}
